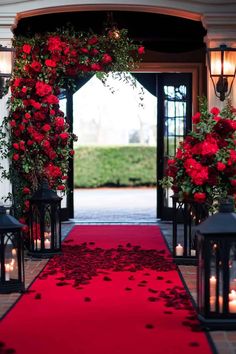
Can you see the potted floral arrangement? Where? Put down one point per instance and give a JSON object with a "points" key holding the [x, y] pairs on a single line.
{"points": [[204, 167]]}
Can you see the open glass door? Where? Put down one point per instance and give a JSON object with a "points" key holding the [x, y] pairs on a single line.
{"points": [[174, 121]]}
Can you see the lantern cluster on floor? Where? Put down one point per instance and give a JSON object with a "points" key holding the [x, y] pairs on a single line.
{"points": [[45, 225], [216, 279], [11, 254], [186, 215]]}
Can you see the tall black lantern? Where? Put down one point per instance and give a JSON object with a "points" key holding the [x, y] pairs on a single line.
{"points": [[216, 278], [45, 224], [11, 254], [186, 215]]}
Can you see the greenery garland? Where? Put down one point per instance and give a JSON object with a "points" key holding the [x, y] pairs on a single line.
{"points": [[40, 144]]}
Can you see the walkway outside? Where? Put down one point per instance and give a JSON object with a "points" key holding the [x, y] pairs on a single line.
{"points": [[115, 205]]}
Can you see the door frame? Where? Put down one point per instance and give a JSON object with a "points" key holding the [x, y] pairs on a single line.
{"points": [[197, 71]]}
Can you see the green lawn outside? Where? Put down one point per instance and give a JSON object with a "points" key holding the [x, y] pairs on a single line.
{"points": [[114, 166]]}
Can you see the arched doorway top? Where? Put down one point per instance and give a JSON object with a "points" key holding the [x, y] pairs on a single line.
{"points": [[159, 9]]}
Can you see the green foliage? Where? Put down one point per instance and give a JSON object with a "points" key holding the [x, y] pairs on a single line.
{"points": [[115, 166]]}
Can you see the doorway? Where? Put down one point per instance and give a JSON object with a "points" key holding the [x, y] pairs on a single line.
{"points": [[173, 92]]}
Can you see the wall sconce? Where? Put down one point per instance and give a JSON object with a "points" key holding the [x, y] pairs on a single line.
{"points": [[222, 67], [6, 64]]}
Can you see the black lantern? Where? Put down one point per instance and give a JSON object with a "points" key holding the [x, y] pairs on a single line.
{"points": [[216, 278], [45, 224], [11, 254], [222, 67], [186, 215]]}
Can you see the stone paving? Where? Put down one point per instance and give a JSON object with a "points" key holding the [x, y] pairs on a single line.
{"points": [[224, 341]]}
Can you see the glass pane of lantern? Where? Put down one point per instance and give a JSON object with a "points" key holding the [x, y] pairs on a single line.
{"points": [[47, 228], [214, 277], [10, 255], [229, 62], [36, 228], [232, 278], [5, 62], [215, 62]]}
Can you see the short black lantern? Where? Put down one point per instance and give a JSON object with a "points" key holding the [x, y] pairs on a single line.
{"points": [[11, 254], [45, 224], [216, 278], [186, 215]]}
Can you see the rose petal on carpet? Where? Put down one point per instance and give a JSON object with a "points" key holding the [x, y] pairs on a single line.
{"points": [[114, 290]]}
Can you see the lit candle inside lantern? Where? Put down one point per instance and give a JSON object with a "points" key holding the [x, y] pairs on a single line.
{"points": [[7, 272], [37, 244], [47, 244], [212, 285], [232, 306], [12, 264], [179, 250], [193, 253], [13, 252], [232, 295]]}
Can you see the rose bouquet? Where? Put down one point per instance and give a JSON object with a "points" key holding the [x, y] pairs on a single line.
{"points": [[204, 167]]}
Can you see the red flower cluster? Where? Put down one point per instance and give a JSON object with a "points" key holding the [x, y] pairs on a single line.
{"points": [[204, 168], [41, 143]]}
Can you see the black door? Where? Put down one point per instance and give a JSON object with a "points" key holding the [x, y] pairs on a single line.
{"points": [[67, 204], [174, 95]]}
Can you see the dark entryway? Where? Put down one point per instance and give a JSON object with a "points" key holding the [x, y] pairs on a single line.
{"points": [[174, 103]]}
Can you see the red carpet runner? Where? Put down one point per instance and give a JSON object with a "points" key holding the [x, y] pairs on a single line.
{"points": [[114, 290]]}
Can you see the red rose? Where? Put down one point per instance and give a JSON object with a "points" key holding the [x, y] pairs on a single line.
{"points": [[59, 122], [61, 188], [22, 145], [72, 152], [27, 115], [84, 50], [106, 59], [26, 48], [30, 142], [233, 182], [64, 177], [220, 166], [17, 82], [93, 40], [50, 63], [215, 111], [46, 127], [96, 67], [64, 136], [27, 203], [141, 50], [199, 197], [13, 123], [16, 146], [94, 52], [22, 220], [36, 66], [51, 99], [16, 157], [196, 118], [35, 104], [26, 190], [43, 89], [55, 43]]}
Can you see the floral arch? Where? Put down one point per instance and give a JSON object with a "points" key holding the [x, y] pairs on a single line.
{"points": [[40, 143]]}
